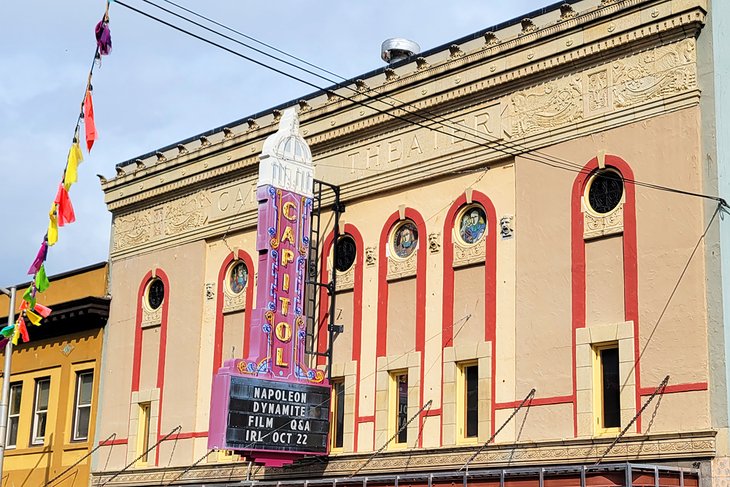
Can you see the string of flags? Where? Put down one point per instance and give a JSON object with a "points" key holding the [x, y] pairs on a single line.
{"points": [[61, 212]]}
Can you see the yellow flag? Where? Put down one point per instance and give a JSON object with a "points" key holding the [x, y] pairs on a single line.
{"points": [[16, 335], [74, 159], [52, 226], [33, 317]]}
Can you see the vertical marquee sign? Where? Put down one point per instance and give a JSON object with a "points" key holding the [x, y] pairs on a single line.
{"points": [[271, 406]]}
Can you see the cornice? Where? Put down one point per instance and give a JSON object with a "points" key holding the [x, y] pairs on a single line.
{"points": [[505, 67]]}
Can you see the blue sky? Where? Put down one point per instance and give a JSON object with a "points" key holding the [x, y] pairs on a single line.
{"points": [[159, 86]]}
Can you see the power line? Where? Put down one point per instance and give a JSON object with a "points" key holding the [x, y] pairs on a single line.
{"points": [[524, 152]]}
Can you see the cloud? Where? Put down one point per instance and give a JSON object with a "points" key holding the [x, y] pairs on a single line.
{"points": [[159, 86]]}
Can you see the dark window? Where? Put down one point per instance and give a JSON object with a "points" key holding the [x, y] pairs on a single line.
{"points": [[345, 253], [610, 388], [605, 192], [471, 401], [401, 412], [155, 294], [338, 413]]}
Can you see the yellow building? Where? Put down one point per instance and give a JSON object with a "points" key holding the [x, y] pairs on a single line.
{"points": [[54, 384]]}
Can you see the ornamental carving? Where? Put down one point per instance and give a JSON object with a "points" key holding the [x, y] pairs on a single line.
{"points": [[400, 268], [164, 220], [371, 256], [469, 254], [151, 317], [660, 72], [233, 302], [600, 225], [346, 280], [542, 453], [598, 91], [548, 106], [434, 243]]}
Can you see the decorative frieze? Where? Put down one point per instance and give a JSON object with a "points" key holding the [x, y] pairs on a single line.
{"points": [[635, 448], [163, 220], [659, 72]]}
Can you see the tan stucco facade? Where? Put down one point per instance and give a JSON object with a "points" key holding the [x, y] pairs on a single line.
{"points": [[544, 105]]}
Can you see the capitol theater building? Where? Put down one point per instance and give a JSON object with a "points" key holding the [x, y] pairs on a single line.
{"points": [[494, 262]]}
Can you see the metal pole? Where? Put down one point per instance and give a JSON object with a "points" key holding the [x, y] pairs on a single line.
{"points": [[6, 383]]}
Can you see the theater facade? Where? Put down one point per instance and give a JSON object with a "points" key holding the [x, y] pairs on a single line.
{"points": [[510, 244]]}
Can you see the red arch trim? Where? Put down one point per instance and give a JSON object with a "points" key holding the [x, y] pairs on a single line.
{"points": [[356, 313], [137, 358], [490, 284], [382, 316], [218, 337], [578, 266]]}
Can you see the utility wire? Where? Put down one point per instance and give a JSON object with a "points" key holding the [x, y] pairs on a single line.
{"points": [[395, 435], [102, 443], [528, 398], [441, 120], [190, 467], [718, 208], [141, 455], [659, 388], [554, 161]]}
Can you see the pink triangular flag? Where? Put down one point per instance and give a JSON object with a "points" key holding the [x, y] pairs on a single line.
{"points": [[39, 258]]}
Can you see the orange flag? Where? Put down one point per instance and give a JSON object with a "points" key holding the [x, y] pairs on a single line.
{"points": [[64, 208], [23, 330], [89, 124]]}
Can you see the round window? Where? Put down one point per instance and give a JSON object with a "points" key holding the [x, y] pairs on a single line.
{"points": [[605, 190], [346, 253], [404, 239], [472, 224], [237, 277], [155, 294]]}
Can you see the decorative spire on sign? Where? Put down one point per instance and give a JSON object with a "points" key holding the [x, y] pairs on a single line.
{"points": [[286, 161]]}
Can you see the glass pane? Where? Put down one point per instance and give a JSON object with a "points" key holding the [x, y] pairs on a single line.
{"points": [[346, 253], [15, 395], [605, 192], [611, 388], [155, 294], [405, 239], [339, 389], [12, 431], [86, 381], [44, 387], [238, 278], [471, 379], [473, 225], [81, 432], [40, 426], [402, 411]]}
